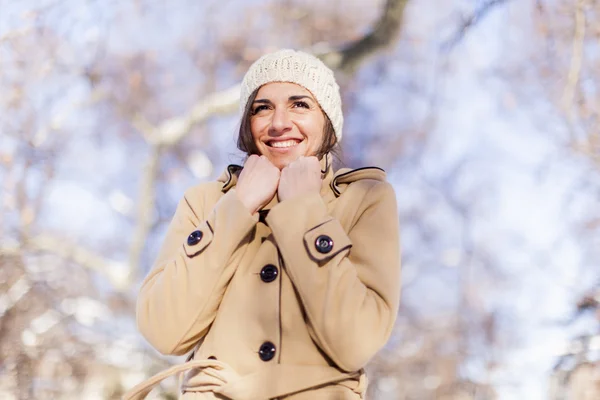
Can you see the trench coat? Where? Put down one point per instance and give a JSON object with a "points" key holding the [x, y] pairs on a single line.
{"points": [[289, 303]]}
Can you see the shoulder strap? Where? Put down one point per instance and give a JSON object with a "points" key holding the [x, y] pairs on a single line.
{"points": [[345, 176]]}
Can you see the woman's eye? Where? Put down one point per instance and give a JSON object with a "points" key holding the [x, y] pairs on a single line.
{"points": [[258, 109], [301, 104]]}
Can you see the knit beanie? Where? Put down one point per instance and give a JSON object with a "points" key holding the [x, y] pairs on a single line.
{"points": [[302, 69]]}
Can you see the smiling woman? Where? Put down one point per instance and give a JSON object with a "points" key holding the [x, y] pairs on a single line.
{"points": [[282, 277], [281, 115], [261, 109], [286, 123]]}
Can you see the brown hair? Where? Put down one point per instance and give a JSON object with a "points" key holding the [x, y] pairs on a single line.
{"points": [[245, 141]]}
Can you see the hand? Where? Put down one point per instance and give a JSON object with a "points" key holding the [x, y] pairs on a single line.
{"points": [[257, 183], [302, 176]]}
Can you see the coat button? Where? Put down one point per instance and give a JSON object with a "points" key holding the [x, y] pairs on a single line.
{"points": [[194, 238], [269, 273], [266, 351], [324, 244]]}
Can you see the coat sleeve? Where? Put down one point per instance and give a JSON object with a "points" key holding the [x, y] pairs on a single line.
{"points": [[348, 282], [178, 300]]}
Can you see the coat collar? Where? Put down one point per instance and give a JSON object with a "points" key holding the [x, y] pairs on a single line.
{"points": [[333, 182], [345, 176]]}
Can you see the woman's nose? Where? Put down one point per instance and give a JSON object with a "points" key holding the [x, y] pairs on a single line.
{"points": [[281, 121]]}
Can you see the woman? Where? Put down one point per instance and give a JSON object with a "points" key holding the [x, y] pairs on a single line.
{"points": [[283, 276]]}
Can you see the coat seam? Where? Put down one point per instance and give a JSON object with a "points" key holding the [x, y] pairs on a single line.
{"points": [[191, 208]]}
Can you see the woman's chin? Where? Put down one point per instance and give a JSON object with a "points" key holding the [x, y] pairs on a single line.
{"points": [[282, 162], [282, 159]]}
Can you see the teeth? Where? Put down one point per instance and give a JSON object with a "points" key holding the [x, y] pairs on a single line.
{"points": [[286, 143]]}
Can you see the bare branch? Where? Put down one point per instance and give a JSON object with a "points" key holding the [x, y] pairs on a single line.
{"points": [[576, 59], [384, 33], [17, 290], [223, 102], [112, 270], [145, 209], [171, 131], [470, 22]]}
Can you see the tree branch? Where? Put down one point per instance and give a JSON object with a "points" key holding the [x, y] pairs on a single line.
{"points": [[171, 131], [145, 210], [114, 271], [470, 22], [576, 60], [385, 31]]}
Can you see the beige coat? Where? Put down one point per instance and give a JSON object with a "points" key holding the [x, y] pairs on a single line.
{"points": [[288, 303]]}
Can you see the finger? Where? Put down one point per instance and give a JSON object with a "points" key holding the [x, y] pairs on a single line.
{"points": [[291, 164], [265, 162], [275, 171], [269, 163], [251, 161]]}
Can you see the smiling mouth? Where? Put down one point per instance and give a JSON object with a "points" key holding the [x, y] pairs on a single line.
{"points": [[283, 144]]}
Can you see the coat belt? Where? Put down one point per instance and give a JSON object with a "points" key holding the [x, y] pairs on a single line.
{"points": [[270, 382]]}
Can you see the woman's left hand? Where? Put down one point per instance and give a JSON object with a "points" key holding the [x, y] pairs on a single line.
{"points": [[302, 176]]}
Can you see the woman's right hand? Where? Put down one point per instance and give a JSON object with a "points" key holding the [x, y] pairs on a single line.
{"points": [[257, 183]]}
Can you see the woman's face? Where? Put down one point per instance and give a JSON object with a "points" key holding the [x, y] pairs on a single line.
{"points": [[286, 122]]}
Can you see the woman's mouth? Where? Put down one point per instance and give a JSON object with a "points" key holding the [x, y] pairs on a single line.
{"points": [[283, 144]]}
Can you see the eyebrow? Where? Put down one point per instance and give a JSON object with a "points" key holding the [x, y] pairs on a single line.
{"points": [[300, 97], [291, 98]]}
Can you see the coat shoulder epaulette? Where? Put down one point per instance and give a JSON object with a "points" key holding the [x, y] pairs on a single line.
{"points": [[345, 176]]}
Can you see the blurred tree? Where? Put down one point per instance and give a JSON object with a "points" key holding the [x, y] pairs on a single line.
{"points": [[114, 109], [566, 68]]}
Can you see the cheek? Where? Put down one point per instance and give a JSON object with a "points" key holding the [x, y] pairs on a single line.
{"points": [[255, 128], [316, 130]]}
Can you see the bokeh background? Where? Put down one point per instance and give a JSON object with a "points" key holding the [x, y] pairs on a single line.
{"points": [[484, 113]]}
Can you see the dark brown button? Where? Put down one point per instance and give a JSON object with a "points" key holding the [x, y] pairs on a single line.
{"points": [[269, 273], [194, 238], [212, 358], [266, 351], [324, 244]]}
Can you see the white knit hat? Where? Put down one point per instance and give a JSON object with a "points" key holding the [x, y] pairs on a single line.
{"points": [[300, 68]]}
